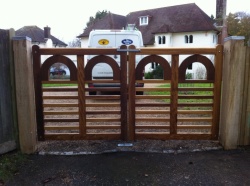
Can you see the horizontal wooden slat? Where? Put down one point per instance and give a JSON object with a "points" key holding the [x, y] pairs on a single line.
{"points": [[60, 97], [60, 105], [152, 104], [152, 127], [61, 120], [78, 51], [194, 119], [103, 112], [60, 112], [152, 119], [103, 81], [75, 127], [196, 81], [195, 104], [152, 112], [195, 89], [103, 119], [194, 126], [194, 111], [103, 127], [153, 97], [166, 136], [152, 89], [174, 50], [153, 81], [59, 82], [76, 136], [106, 89], [103, 105], [102, 97], [195, 97], [60, 89]]}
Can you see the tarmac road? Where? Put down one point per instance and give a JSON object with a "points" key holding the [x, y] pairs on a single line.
{"points": [[217, 167]]}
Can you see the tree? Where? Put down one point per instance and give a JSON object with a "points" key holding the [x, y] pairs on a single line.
{"points": [[75, 43], [99, 15], [239, 24]]}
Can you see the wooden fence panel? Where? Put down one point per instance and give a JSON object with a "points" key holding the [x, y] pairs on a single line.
{"points": [[232, 92], [7, 106]]}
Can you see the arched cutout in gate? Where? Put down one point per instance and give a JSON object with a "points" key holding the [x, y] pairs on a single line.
{"points": [[102, 59], [196, 58], [58, 59], [149, 59]]}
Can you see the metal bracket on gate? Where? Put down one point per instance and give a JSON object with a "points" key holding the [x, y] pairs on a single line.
{"points": [[128, 50]]}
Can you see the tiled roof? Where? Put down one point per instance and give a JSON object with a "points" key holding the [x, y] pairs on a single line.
{"points": [[173, 19], [110, 21], [37, 35]]}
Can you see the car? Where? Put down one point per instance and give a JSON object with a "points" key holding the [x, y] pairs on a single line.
{"points": [[56, 71]]}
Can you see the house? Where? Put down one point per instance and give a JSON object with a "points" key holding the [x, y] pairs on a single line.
{"points": [[40, 37], [175, 26]]}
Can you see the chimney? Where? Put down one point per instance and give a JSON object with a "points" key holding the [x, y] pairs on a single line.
{"points": [[46, 32], [219, 12]]}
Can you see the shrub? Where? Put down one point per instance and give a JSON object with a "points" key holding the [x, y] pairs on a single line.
{"points": [[157, 73]]}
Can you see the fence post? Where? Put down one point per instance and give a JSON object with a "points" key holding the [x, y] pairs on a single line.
{"points": [[25, 95], [244, 138], [232, 91], [8, 125]]}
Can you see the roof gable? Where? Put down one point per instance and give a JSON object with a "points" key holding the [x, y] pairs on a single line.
{"points": [[37, 35]]}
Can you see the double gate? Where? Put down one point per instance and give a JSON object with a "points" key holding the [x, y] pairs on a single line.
{"points": [[169, 108]]}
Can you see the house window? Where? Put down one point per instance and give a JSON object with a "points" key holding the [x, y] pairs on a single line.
{"points": [[144, 20], [186, 39], [190, 38], [163, 40], [159, 39]]}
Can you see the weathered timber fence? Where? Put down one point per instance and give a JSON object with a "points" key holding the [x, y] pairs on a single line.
{"points": [[235, 105], [8, 126]]}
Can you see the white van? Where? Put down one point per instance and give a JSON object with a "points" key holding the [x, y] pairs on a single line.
{"points": [[111, 39]]}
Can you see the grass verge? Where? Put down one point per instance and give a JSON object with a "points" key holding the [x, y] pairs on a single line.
{"points": [[9, 164]]}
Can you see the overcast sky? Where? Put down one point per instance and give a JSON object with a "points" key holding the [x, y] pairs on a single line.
{"points": [[67, 19]]}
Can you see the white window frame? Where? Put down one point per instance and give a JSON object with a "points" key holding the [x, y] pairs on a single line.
{"points": [[143, 20]]}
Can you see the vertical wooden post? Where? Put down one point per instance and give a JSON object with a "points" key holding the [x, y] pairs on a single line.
{"points": [[131, 95], [124, 82], [174, 94], [25, 95], [232, 90], [244, 138], [217, 91], [38, 92], [81, 95]]}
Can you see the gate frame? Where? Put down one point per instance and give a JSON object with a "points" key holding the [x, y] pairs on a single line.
{"points": [[128, 123]]}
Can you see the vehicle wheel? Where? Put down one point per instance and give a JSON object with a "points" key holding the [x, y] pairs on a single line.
{"points": [[92, 93]]}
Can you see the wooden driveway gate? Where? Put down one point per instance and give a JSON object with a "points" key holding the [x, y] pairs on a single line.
{"points": [[170, 108]]}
